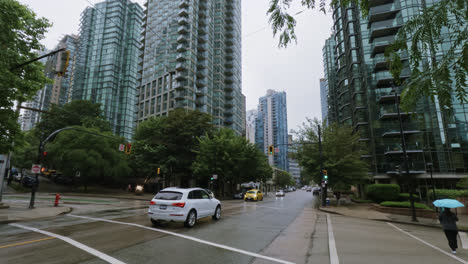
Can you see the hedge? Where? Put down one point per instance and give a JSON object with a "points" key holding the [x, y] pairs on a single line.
{"points": [[404, 205], [448, 194], [383, 192], [405, 197]]}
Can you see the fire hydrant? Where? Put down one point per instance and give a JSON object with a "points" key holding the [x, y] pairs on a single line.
{"points": [[57, 198]]}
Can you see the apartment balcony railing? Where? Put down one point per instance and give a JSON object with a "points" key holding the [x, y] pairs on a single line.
{"points": [[384, 12]]}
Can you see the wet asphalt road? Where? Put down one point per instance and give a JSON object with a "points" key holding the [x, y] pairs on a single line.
{"points": [[286, 229], [249, 226]]}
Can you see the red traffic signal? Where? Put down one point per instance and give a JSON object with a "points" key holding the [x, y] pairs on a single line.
{"points": [[128, 148]]}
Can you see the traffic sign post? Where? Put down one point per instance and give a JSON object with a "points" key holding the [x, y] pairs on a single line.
{"points": [[36, 169], [121, 147]]}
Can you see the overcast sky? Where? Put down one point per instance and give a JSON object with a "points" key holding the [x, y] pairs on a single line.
{"points": [[296, 69]]}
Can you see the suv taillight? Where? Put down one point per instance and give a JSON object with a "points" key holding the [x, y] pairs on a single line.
{"points": [[181, 205], [152, 203]]}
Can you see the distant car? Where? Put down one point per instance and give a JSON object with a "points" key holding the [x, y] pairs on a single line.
{"points": [[308, 189], [317, 191], [238, 195], [253, 194], [294, 189], [280, 193], [303, 188], [183, 205]]}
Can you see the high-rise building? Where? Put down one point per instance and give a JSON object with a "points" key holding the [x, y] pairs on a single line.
{"points": [[106, 68], [250, 125], [329, 55], [294, 168], [192, 60], [271, 128], [324, 98], [364, 95]]}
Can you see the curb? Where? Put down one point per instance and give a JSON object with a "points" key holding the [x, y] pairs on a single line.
{"points": [[393, 221], [34, 219]]}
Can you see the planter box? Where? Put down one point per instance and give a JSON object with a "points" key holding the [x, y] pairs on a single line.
{"points": [[405, 211]]}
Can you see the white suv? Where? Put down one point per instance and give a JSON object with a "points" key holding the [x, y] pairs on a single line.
{"points": [[183, 205]]}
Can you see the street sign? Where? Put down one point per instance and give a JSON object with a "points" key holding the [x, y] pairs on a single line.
{"points": [[215, 176], [36, 169], [277, 150], [323, 185], [121, 147]]}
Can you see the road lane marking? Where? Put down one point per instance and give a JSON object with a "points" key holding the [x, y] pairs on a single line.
{"points": [[430, 245], [188, 238], [77, 244], [331, 243], [463, 239], [27, 242]]}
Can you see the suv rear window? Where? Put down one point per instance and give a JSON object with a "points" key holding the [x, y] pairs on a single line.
{"points": [[168, 196]]}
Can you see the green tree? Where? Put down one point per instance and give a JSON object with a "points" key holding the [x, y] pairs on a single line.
{"points": [[426, 33], [76, 113], [20, 33], [170, 143], [95, 156], [232, 158], [283, 178], [341, 154], [25, 152]]}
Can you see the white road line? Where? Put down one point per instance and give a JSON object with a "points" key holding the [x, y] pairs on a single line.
{"points": [[187, 237], [92, 251], [331, 243], [463, 239], [430, 245]]}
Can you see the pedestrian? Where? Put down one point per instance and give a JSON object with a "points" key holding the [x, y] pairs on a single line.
{"points": [[448, 220], [129, 188]]}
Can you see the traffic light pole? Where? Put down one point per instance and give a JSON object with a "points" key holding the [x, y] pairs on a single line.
{"points": [[324, 185]]}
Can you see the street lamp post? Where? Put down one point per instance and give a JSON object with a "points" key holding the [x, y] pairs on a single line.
{"points": [[405, 156]]}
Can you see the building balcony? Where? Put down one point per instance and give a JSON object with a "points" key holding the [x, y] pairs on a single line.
{"points": [[182, 30], [386, 97], [396, 149], [180, 76], [384, 12], [229, 42], [229, 34], [397, 168], [184, 4], [229, 96], [388, 115], [183, 12], [201, 82], [228, 121], [229, 80], [201, 65], [203, 39], [201, 91], [181, 48], [385, 28], [373, 3], [180, 57], [180, 66], [202, 73], [379, 45], [201, 101], [396, 133], [228, 112], [182, 39], [228, 104], [229, 72], [201, 48], [179, 95], [385, 78], [228, 27], [228, 88], [180, 85], [182, 21]]}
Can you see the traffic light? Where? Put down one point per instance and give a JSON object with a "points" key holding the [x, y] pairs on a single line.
{"points": [[271, 150], [64, 58], [159, 171], [128, 148], [325, 174]]}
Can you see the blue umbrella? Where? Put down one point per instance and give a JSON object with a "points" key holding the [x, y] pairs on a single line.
{"points": [[448, 203]]}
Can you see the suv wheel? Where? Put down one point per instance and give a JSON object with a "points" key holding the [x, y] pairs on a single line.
{"points": [[191, 219], [155, 222], [217, 213]]}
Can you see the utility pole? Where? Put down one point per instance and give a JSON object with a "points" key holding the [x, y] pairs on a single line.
{"points": [[324, 185]]}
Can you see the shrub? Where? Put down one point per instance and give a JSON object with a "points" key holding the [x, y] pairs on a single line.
{"points": [[405, 197], [448, 194], [404, 205], [383, 192]]}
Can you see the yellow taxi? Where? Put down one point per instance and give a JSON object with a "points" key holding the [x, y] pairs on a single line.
{"points": [[253, 194]]}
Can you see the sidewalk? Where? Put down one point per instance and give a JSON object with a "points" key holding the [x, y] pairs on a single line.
{"points": [[366, 211]]}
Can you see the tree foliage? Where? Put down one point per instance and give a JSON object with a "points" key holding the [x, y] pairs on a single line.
{"points": [[231, 157], [95, 156], [26, 151], [76, 113], [169, 143], [20, 33], [425, 32], [283, 178], [341, 154]]}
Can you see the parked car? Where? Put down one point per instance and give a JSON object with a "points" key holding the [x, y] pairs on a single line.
{"points": [[254, 195], [61, 179], [239, 195], [280, 193], [317, 191], [183, 205], [303, 188], [29, 181], [308, 189]]}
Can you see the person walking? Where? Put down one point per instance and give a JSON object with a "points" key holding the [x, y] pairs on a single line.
{"points": [[448, 220]]}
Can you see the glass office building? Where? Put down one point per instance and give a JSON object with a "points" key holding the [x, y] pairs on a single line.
{"points": [[106, 68], [192, 60], [271, 128], [365, 96]]}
